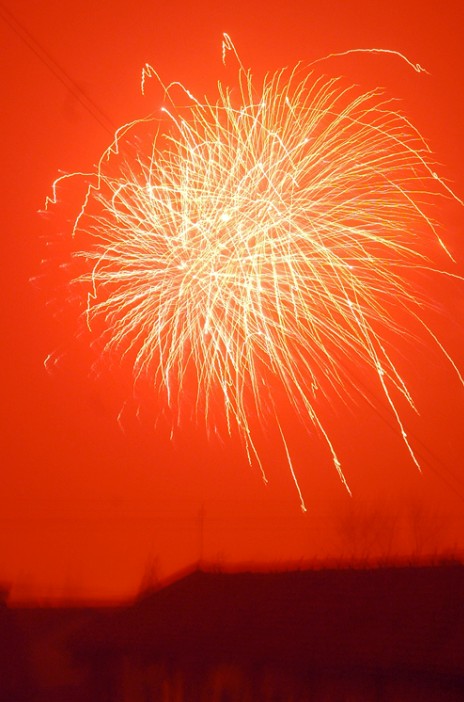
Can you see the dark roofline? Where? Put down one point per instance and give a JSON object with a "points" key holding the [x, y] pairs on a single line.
{"points": [[376, 618]]}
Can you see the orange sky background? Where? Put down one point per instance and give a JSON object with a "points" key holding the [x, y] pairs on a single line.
{"points": [[88, 507]]}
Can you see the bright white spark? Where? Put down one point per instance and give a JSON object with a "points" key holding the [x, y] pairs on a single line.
{"points": [[263, 242]]}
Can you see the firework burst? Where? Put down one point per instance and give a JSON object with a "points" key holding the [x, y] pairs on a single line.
{"points": [[260, 246]]}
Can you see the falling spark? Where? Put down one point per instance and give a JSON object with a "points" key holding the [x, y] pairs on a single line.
{"points": [[261, 246]]}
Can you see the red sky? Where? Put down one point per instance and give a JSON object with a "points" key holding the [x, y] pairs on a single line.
{"points": [[87, 507]]}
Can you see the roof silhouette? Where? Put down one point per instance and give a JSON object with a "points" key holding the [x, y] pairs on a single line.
{"points": [[385, 618]]}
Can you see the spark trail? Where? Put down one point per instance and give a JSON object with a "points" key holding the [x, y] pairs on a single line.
{"points": [[259, 247]]}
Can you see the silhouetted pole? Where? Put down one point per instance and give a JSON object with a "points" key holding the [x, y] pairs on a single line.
{"points": [[201, 534]]}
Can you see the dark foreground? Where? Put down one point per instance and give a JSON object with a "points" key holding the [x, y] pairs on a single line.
{"points": [[386, 634]]}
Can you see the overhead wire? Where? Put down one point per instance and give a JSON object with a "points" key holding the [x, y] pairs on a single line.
{"points": [[92, 107], [57, 70]]}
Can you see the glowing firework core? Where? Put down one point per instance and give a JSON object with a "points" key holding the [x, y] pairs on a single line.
{"points": [[259, 244]]}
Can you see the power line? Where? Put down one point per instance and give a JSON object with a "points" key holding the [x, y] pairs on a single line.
{"points": [[57, 70], [432, 460], [106, 123]]}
